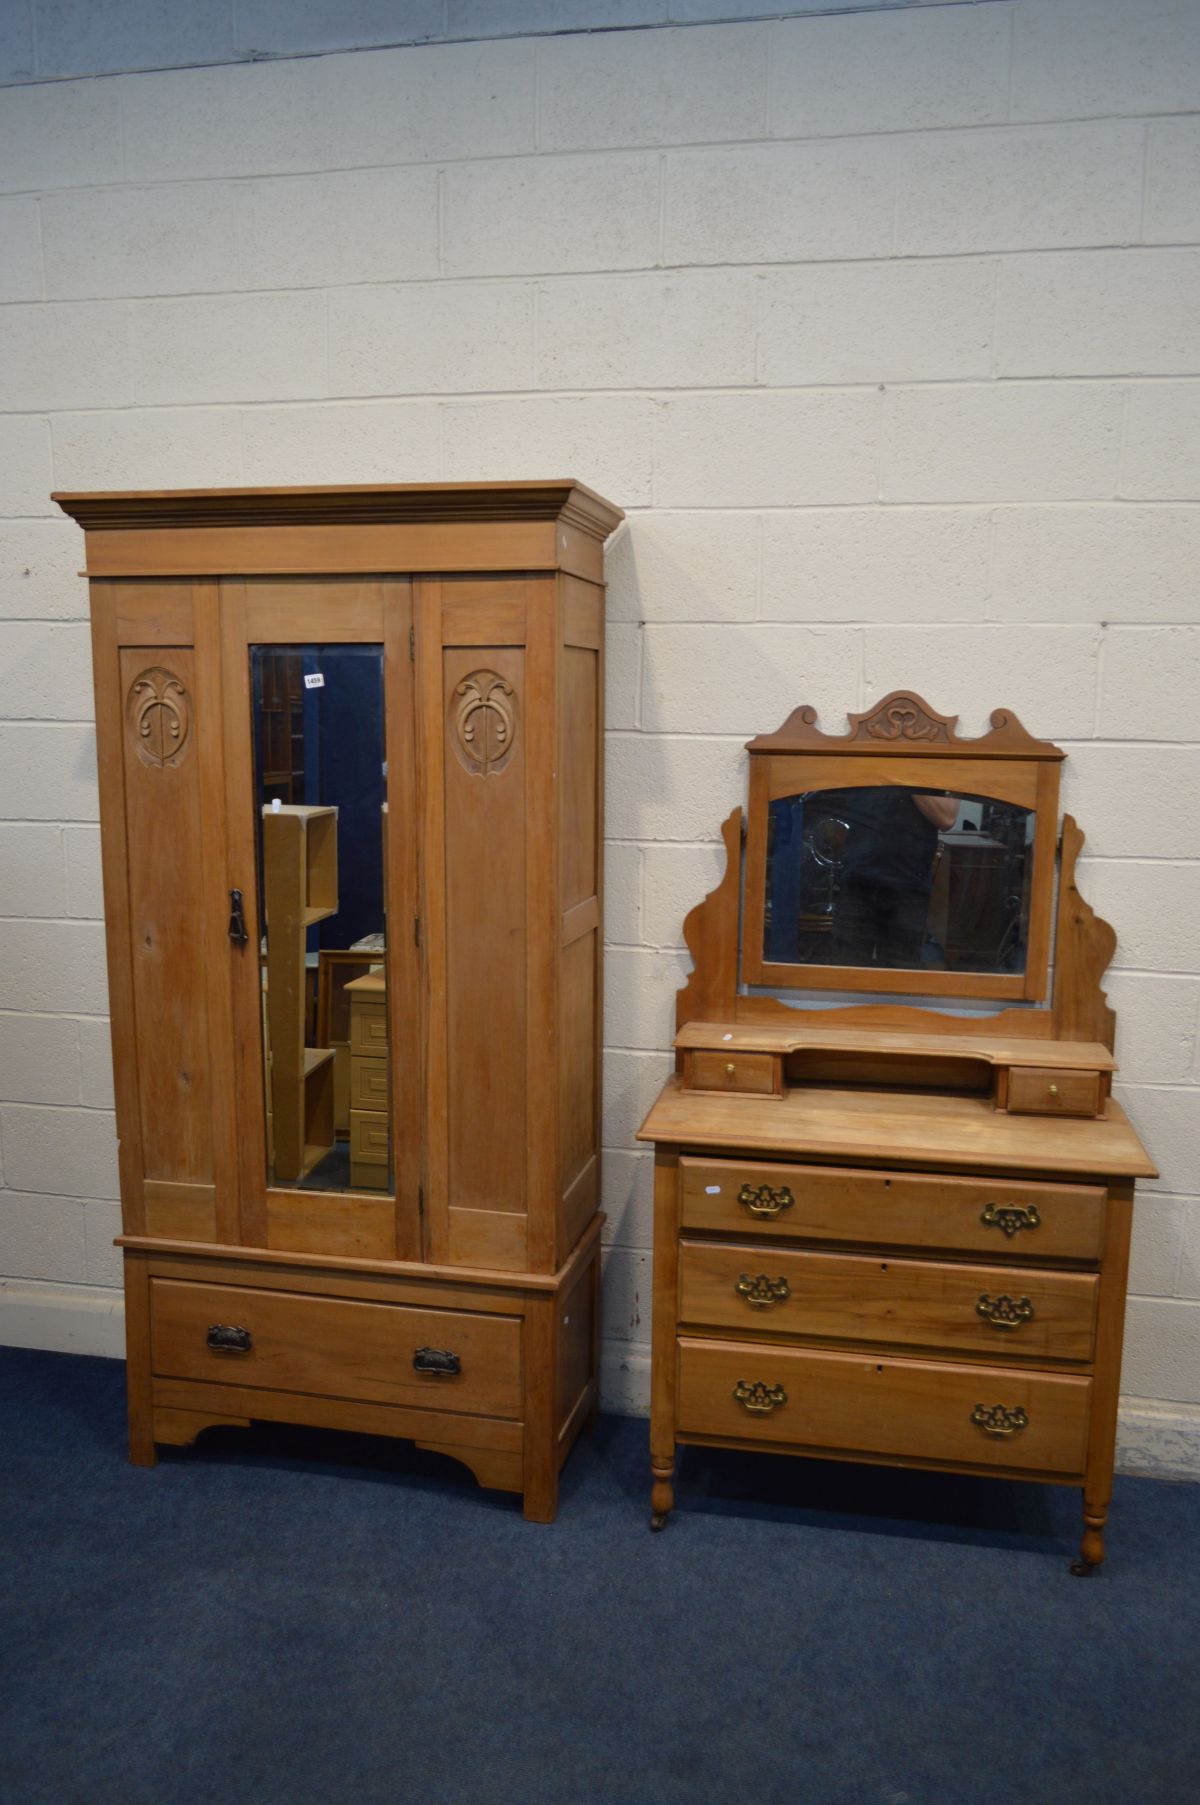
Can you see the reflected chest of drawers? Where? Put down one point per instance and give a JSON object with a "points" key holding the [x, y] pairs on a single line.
{"points": [[368, 1081]]}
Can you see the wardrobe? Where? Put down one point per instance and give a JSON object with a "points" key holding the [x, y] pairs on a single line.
{"points": [[351, 783]]}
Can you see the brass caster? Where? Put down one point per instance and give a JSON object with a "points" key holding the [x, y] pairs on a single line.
{"points": [[658, 1519]]}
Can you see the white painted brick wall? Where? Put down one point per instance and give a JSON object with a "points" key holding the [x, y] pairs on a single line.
{"points": [[882, 326]]}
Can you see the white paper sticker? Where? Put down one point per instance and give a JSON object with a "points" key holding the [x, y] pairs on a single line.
{"points": [[727, 1037], [712, 1190], [314, 680]]}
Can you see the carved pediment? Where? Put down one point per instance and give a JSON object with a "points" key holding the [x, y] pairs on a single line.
{"points": [[904, 722]]}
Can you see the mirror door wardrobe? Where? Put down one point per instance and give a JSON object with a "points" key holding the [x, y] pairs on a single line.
{"points": [[351, 814]]}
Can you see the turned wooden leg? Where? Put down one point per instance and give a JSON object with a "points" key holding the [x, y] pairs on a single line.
{"points": [[662, 1492], [1091, 1549]]}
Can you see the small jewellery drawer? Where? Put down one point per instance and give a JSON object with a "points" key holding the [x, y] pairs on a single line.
{"points": [[757, 1073], [369, 1083], [1042, 1091], [1003, 1218], [912, 1410], [368, 1028], [369, 1136], [1002, 1311], [334, 1347]]}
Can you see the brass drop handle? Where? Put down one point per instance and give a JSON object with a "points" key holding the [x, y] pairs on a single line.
{"points": [[998, 1420], [760, 1399], [1011, 1218], [224, 1338], [761, 1293], [436, 1360], [1004, 1312], [761, 1200]]}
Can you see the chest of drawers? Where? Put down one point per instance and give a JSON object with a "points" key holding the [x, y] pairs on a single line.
{"points": [[964, 1321]]}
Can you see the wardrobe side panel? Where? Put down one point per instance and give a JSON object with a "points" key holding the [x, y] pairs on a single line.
{"points": [[581, 726]]}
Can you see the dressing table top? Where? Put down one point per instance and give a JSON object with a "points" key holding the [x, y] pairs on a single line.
{"points": [[898, 1128]]}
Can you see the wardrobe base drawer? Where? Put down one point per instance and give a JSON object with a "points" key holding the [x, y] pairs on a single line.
{"points": [[1003, 1218], [982, 1416], [446, 1360]]}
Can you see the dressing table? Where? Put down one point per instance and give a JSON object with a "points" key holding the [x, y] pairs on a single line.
{"points": [[895, 1231]]}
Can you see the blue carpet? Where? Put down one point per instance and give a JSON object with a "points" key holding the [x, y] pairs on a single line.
{"points": [[279, 1617]]}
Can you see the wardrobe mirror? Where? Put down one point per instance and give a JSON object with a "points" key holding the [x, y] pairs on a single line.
{"points": [[321, 796], [888, 875]]}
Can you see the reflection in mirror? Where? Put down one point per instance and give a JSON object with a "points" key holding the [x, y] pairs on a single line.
{"points": [[885, 875], [322, 818]]}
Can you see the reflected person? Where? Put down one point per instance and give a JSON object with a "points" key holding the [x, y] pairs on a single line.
{"points": [[886, 875]]}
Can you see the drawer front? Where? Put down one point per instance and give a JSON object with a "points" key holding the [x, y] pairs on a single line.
{"points": [[906, 1409], [369, 1137], [1002, 1311], [752, 1072], [1002, 1218], [334, 1347], [368, 1083], [368, 1028], [1041, 1091]]}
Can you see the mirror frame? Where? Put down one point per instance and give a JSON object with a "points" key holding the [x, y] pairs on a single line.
{"points": [[904, 741]]}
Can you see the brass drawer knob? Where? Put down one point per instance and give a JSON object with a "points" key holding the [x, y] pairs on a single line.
{"points": [[223, 1338], [1010, 1217], [1004, 1312], [998, 1420], [761, 1293], [1054, 1090], [730, 1069], [760, 1399], [761, 1200]]}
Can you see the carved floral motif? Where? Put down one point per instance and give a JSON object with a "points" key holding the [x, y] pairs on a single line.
{"points": [[485, 722], [158, 711], [905, 718]]}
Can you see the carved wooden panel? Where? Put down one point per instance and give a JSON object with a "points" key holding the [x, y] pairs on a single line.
{"points": [[158, 714], [486, 928], [167, 926], [484, 722]]}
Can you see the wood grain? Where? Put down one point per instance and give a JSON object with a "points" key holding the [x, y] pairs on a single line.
{"points": [[905, 1408], [887, 1208], [337, 1347], [953, 1133], [895, 1302]]}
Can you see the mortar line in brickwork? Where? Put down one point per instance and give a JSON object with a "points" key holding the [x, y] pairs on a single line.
{"points": [[1098, 693], [644, 151], [657, 392], [631, 272], [1123, 438], [1080, 125]]}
